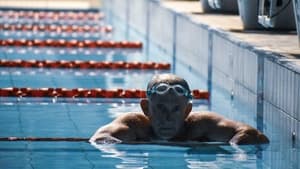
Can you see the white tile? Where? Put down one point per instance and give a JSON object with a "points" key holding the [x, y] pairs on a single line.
{"points": [[222, 60], [295, 154], [222, 80], [272, 81], [297, 96], [298, 132], [277, 84], [288, 128], [276, 75], [161, 27], [290, 93], [119, 8], [286, 88], [283, 88], [267, 77], [192, 44], [253, 72], [294, 129], [137, 13]]}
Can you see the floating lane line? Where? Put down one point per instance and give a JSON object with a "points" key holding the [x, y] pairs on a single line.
{"points": [[53, 15], [55, 28], [85, 93], [78, 64], [70, 43]]}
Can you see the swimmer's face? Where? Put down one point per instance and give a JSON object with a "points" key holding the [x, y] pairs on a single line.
{"points": [[167, 113]]}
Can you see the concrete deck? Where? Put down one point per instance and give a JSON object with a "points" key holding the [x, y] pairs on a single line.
{"points": [[283, 42]]}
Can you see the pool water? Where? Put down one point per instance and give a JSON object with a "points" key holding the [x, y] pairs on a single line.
{"points": [[48, 117], [74, 78]]}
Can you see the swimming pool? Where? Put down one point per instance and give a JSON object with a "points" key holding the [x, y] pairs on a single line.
{"points": [[39, 117]]}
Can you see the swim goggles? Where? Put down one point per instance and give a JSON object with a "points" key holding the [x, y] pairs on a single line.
{"points": [[163, 88]]}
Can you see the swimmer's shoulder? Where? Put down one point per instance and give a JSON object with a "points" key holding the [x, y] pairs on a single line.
{"points": [[213, 119], [203, 116], [133, 119], [137, 123]]}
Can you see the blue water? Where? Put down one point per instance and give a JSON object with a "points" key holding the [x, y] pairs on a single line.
{"points": [[47, 117], [62, 78], [71, 54]]}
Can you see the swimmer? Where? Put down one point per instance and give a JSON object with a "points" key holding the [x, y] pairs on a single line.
{"points": [[166, 115]]}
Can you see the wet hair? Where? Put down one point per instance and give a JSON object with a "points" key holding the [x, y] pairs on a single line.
{"points": [[168, 78]]}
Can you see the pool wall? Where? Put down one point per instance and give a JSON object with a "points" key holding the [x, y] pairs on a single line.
{"points": [[263, 79]]}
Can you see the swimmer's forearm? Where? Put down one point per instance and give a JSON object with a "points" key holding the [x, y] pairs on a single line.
{"points": [[104, 138], [250, 136]]}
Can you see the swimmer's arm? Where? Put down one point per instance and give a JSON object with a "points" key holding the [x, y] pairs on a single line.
{"points": [[126, 128], [113, 133], [239, 133], [196, 127], [248, 135], [215, 127]]}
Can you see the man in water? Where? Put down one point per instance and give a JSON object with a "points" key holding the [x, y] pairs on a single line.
{"points": [[167, 116]]}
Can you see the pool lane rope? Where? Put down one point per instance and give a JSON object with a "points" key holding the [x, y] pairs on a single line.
{"points": [[55, 28], [53, 15], [70, 43], [86, 93], [79, 64]]}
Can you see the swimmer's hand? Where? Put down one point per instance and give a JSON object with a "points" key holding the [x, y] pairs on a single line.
{"points": [[104, 139]]}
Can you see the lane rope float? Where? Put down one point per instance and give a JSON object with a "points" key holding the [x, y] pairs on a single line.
{"points": [[70, 43], [55, 28], [79, 64], [52, 15], [85, 93]]}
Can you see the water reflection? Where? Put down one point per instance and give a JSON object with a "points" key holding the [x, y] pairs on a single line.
{"points": [[128, 159], [162, 156]]}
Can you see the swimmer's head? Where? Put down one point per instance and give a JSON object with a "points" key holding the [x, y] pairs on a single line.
{"points": [[166, 83], [167, 105]]}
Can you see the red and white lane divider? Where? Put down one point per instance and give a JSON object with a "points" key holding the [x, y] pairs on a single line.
{"points": [[83, 64], [85, 93], [55, 28], [70, 43], [53, 15]]}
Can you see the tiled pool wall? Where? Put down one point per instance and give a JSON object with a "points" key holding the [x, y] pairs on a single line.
{"points": [[262, 79]]}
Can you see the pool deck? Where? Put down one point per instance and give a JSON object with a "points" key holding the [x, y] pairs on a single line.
{"points": [[284, 43]]}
